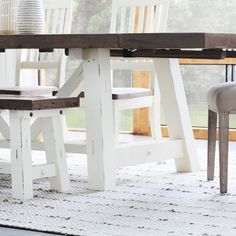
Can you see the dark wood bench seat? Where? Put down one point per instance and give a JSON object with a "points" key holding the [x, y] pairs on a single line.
{"points": [[11, 102]]}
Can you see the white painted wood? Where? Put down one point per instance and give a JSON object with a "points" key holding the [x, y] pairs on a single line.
{"points": [[131, 19], [141, 102], [44, 171], [7, 68], [4, 127], [36, 126], [42, 113], [155, 111], [99, 119], [21, 169], [147, 151], [157, 10], [122, 19], [141, 19], [116, 119], [176, 111], [21, 164], [134, 64], [39, 65], [75, 147], [74, 85], [5, 168], [36, 130], [55, 152], [70, 146]]}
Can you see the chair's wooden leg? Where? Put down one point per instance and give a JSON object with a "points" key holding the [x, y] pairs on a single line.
{"points": [[155, 111], [155, 121], [21, 163], [223, 151], [55, 152], [211, 145]]}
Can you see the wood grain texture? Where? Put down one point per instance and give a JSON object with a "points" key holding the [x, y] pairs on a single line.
{"points": [[50, 41], [134, 40], [11, 102]]}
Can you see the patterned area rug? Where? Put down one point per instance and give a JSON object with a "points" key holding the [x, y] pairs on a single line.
{"points": [[149, 199]]}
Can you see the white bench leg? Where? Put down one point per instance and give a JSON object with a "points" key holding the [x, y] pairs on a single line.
{"points": [[55, 152], [21, 163]]}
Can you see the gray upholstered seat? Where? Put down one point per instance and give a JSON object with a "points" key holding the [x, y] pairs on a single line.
{"points": [[222, 97], [221, 100]]}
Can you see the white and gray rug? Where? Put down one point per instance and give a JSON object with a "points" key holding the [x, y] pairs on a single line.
{"points": [[149, 199]]}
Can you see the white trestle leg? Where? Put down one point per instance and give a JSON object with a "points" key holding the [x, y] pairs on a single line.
{"points": [[98, 108], [176, 111]]}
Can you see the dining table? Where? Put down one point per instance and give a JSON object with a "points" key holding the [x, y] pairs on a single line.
{"points": [[94, 53]]}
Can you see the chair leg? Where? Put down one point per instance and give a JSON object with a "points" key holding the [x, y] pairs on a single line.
{"points": [[155, 111], [55, 152], [223, 149], [116, 118], [155, 123], [212, 120], [21, 163]]}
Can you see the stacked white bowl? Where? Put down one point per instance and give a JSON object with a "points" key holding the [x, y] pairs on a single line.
{"points": [[30, 17]]}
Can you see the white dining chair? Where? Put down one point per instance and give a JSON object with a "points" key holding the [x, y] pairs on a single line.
{"points": [[32, 64], [138, 16]]}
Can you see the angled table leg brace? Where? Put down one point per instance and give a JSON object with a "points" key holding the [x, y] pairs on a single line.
{"points": [[176, 111]]}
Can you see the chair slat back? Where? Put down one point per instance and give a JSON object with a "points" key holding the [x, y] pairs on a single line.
{"points": [[58, 19], [139, 16]]}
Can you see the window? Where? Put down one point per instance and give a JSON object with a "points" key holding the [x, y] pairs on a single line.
{"points": [[91, 16]]}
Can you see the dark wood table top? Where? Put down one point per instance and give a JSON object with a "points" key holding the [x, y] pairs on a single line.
{"points": [[153, 41], [133, 41]]}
